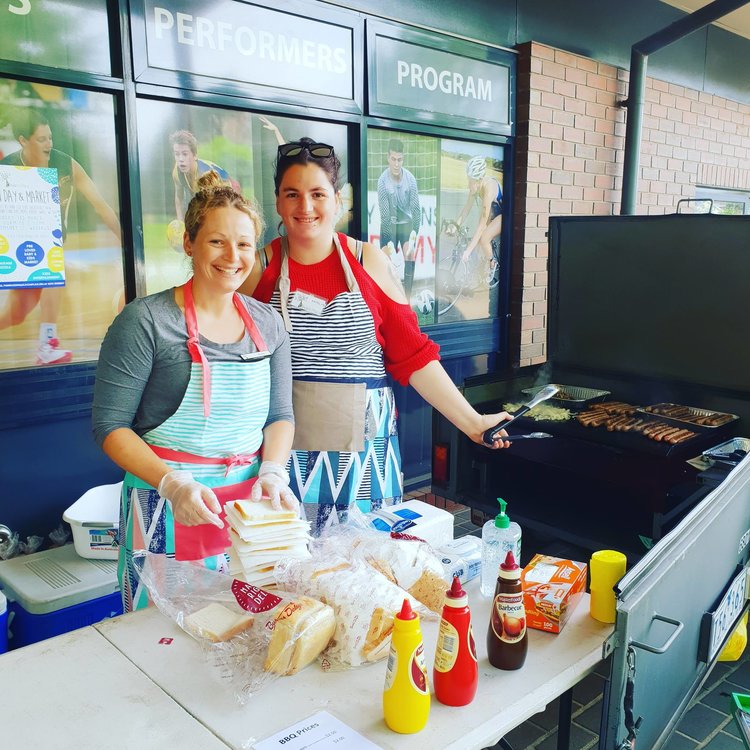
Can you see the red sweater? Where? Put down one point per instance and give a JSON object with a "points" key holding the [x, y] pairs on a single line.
{"points": [[405, 348]]}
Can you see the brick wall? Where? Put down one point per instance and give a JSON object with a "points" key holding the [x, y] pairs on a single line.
{"points": [[569, 157]]}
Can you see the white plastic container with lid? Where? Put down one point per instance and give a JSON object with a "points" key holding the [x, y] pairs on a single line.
{"points": [[54, 579], [500, 535], [462, 557], [416, 518], [56, 590], [94, 520]]}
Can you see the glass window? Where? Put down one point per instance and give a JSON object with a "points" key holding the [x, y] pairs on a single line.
{"points": [[469, 250], [435, 207], [402, 184], [58, 294], [69, 34], [178, 142], [727, 202]]}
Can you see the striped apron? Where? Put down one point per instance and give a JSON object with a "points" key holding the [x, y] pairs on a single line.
{"points": [[216, 434], [337, 344]]}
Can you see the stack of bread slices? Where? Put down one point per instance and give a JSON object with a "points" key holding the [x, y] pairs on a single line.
{"points": [[261, 536]]}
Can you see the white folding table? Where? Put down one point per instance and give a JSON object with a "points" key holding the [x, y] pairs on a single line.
{"points": [[555, 664], [77, 692]]}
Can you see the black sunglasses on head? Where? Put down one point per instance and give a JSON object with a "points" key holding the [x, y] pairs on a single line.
{"points": [[316, 150]]}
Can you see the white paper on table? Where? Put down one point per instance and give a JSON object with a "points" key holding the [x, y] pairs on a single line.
{"points": [[321, 731]]}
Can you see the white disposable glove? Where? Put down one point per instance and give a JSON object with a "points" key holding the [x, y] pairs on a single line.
{"points": [[273, 482], [192, 502]]}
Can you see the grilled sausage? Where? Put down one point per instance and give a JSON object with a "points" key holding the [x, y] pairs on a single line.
{"points": [[681, 434]]}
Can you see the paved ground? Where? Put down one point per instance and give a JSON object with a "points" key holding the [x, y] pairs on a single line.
{"points": [[707, 724]]}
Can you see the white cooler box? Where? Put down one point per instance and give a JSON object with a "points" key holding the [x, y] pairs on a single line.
{"points": [[94, 519], [416, 518], [3, 623], [55, 591]]}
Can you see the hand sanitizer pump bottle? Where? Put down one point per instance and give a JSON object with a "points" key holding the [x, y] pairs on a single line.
{"points": [[500, 535]]}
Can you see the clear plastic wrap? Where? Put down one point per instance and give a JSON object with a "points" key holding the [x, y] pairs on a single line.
{"points": [[365, 575], [250, 636]]}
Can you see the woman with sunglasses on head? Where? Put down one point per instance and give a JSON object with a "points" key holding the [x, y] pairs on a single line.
{"points": [[193, 388], [349, 323]]}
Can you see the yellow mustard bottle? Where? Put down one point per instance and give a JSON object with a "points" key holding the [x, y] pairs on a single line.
{"points": [[406, 696]]}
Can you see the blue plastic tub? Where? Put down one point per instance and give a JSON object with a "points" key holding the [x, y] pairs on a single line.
{"points": [[28, 628], [3, 623]]}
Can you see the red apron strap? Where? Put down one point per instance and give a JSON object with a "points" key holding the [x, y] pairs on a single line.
{"points": [[252, 329], [238, 459], [193, 344]]}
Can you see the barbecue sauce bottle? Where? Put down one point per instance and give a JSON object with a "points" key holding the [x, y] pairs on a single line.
{"points": [[455, 674], [507, 640], [406, 696]]}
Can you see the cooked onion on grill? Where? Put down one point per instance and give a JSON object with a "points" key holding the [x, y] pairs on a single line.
{"points": [[542, 412]]}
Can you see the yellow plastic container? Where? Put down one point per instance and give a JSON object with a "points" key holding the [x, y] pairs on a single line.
{"points": [[607, 567], [736, 643], [406, 696]]}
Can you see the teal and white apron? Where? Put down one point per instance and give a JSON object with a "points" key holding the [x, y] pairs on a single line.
{"points": [[346, 442], [216, 434]]}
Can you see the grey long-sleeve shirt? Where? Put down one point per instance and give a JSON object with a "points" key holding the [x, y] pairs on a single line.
{"points": [[395, 198], [144, 364]]}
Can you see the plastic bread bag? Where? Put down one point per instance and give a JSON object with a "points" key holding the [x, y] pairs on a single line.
{"points": [[327, 518], [409, 562], [250, 636], [365, 603]]}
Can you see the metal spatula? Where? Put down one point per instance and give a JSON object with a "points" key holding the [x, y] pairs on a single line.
{"points": [[547, 392]]}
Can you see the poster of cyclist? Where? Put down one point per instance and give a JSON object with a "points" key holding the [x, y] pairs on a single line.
{"points": [[402, 182], [469, 249], [180, 142]]}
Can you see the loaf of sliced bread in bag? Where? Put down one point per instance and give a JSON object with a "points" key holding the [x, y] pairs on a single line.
{"points": [[301, 630]]}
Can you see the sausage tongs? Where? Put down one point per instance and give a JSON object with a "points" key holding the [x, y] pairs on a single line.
{"points": [[493, 434]]}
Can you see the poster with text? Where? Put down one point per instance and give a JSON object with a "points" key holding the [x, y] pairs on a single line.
{"points": [[31, 253], [64, 140]]}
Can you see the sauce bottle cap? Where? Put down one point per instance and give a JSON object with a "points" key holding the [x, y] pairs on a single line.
{"points": [[406, 612], [455, 592], [510, 562]]}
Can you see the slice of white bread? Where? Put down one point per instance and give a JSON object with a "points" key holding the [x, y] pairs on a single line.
{"points": [[217, 623], [301, 631], [377, 641], [262, 511]]}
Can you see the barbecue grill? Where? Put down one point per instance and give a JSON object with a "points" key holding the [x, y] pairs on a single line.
{"points": [[637, 315]]}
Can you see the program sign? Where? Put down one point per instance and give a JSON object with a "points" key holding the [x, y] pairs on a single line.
{"points": [[421, 78]]}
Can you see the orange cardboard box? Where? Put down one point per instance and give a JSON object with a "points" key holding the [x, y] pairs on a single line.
{"points": [[552, 588]]}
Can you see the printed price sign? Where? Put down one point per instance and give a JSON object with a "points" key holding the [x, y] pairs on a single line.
{"points": [[321, 731], [31, 239]]}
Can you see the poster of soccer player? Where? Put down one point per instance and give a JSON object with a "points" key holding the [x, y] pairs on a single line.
{"points": [[402, 182]]}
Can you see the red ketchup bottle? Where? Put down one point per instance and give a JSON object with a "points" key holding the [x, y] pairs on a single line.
{"points": [[455, 674], [507, 640]]}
